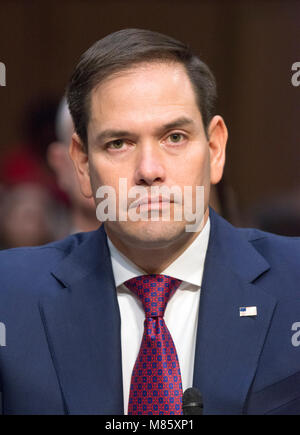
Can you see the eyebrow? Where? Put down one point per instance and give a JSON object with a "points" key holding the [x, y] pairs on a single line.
{"points": [[110, 133], [179, 122]]}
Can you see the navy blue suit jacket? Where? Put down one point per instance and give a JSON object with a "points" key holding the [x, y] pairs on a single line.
{"points": [[63, 353]]}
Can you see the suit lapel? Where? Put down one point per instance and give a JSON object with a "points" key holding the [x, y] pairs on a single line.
{"points": [[82, 325], [228, 346]]}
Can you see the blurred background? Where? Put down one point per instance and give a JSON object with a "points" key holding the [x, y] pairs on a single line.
{"points": [[249, 45]]}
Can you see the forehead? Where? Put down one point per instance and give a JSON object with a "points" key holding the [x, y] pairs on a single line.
{"points": [[149, 92]]}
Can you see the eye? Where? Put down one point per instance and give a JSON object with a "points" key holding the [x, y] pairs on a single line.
{"points": [[175, 138], [115, 144]]}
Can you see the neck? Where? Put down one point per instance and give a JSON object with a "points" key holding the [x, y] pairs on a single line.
{"points": [[155, 260]]}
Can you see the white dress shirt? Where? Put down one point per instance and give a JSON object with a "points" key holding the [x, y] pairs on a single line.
{"points": [[181, 315]]}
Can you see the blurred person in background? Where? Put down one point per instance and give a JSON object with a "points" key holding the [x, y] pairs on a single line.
{"points": [[33, 210], [82, 210], [28, 216], [26, 160]]}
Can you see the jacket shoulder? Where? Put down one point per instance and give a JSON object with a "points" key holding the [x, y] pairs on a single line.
{"points": [[21, 266], [272, 245], [283, 256]]}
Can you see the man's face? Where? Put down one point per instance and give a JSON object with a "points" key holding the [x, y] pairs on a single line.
{"points": [[145, 126]]}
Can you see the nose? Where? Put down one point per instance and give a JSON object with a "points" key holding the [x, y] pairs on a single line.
{"points": [[149, 165]]}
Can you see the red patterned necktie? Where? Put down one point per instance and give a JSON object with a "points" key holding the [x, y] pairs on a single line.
{"points": [[156, 380]]}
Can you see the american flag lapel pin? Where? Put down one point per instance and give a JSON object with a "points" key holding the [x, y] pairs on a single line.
{"points": [[248, 311]]}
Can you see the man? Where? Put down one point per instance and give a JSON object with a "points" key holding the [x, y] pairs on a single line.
{"points": [[82, 210], [220, 305]]}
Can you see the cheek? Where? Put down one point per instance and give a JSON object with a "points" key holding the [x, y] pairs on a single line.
{"points": [[103, 174], [100, 173], [194, 171], [96, 178]]}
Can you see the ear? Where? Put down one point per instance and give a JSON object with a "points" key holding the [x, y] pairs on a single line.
{"points": [[80, 159], [218, 136]]}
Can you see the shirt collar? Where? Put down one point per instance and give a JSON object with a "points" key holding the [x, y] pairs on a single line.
{"points": [[188, 267]]}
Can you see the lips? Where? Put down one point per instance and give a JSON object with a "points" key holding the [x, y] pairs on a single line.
{"points": [[151, 201]]}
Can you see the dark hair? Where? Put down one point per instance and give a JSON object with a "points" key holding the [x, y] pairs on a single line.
{"points": [[121, 50]]}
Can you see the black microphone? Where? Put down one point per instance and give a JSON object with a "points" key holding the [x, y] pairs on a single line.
{"points": [[192, 402]]}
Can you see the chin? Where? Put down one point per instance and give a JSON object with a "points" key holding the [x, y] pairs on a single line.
{"points": [[150, 234]]}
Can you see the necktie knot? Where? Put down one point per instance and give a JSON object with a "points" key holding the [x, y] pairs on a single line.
{"points": [[154, 291]]}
